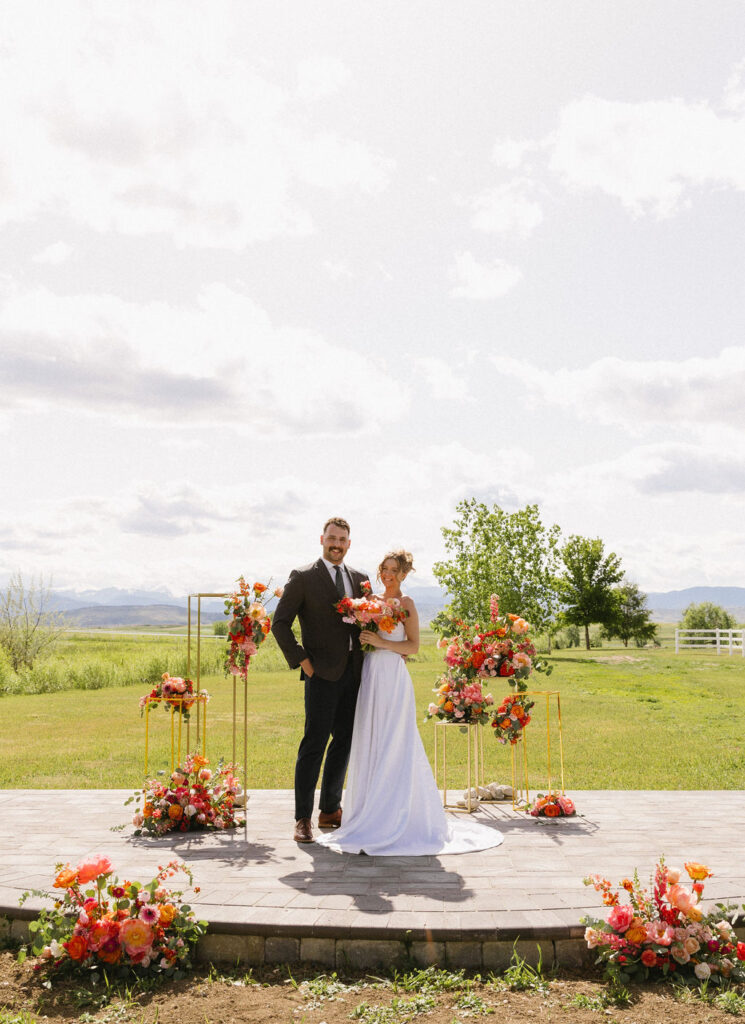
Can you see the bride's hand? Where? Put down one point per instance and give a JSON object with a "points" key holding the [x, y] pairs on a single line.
{"points": [[368, 637]]}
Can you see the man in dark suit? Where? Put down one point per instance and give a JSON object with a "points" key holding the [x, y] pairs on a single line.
{"points": [[330, 660]]}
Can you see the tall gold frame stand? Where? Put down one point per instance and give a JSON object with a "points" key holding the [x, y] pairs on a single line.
{"points": [[521, 792], [199, 700], [474, 762], [235, 681]]}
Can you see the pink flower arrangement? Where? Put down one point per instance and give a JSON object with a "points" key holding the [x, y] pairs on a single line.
{"points": [[193, 799], [175, 693], [127, 925], [249, 626], [665, 930], [473, 655], [552, 805]]}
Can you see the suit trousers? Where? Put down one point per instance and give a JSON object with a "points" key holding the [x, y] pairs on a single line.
{"points": [[329, 713]]}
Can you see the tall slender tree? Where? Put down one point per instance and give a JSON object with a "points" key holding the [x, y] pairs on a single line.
{"points": [[511, 554], [586, 585]]}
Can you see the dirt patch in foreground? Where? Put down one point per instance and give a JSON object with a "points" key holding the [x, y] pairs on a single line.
{"points": [[307, 997]]}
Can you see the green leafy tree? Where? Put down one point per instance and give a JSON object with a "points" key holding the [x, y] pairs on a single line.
{"points": [[707, 616], [511, 554], [629, 619], [586, 586], [27, 627]]}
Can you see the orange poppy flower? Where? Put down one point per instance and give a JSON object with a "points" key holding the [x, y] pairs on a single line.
{"points": [[175, 812], [449, 706], [65, 878], [698, 872]]}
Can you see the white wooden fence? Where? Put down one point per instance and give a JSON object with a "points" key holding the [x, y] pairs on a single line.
{"points": [[720, 640]]}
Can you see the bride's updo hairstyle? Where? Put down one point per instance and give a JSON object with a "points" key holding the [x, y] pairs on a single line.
{"points": [[405, 561]]}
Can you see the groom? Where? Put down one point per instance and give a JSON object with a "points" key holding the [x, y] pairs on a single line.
{"points": [[330, 659]]}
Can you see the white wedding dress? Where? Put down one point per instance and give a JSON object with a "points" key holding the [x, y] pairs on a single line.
{"points": [[392, 806]]}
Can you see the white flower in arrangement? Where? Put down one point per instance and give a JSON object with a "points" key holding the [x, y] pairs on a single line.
{"points": [[56, 948], [190, 810], [702, 971]]}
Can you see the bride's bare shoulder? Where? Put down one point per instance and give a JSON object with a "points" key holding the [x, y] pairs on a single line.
{"points": [[407, 603]]}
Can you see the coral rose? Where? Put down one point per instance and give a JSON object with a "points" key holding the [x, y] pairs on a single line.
{"points": [[619, 918], [65, 878], [135, 935], [567, 805], [92, 868], [77, 947], [673, 875], [740, 951], [551, 811], [649, 958]]}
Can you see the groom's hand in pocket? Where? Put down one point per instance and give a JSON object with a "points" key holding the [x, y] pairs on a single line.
{"points": [[307, 668]]}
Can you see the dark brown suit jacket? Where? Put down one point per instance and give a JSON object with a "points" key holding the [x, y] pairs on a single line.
{"points": [[310, 596]]}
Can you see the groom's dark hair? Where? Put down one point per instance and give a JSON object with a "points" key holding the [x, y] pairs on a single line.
{"points": [[337, 521]]}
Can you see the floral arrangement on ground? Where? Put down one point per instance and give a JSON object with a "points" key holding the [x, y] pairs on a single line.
{"points": [[249, 625], [551, 805], [193, 798], [175, 693], [665, 930], [98, 922], [473, 655], [371, 613]]}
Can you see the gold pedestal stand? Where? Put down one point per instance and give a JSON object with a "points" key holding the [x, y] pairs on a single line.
{"points": [[235, 682], [201, 704], [474, 762], [520, 783]]}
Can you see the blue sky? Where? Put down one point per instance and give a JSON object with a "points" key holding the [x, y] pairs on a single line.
{"points": [[264, 263]]}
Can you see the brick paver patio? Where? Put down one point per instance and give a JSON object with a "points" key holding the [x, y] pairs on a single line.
{"points": [[269, 898]]}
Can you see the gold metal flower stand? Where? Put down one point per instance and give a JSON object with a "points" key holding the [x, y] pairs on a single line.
{"points": [[474, 762], [235, 681], [519, 759], [197, 700]]}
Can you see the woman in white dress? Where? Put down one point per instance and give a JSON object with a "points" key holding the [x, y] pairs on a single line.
{"points": [[392, 806]]}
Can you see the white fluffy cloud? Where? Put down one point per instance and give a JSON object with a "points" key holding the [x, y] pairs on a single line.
{"points": [[482, 281], [508, 208], [128, 120], [649, 155], [221, 360], [640, 394]]}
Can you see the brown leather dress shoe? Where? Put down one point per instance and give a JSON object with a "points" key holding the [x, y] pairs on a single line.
{"points": [[329, 820], [303, 831]]}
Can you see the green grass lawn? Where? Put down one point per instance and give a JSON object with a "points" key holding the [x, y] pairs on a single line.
{"points": [[632, 719]]}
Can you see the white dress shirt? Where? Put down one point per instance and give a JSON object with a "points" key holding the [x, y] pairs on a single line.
{"points": [[344, 575]]}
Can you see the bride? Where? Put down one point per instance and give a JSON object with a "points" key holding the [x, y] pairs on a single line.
{"points": [[392, 804]]}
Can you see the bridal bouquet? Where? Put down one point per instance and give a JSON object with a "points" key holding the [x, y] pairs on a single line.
{"points": [[665, 930], [371, 613], [100, 922], [249, 625], [194, 798]]}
